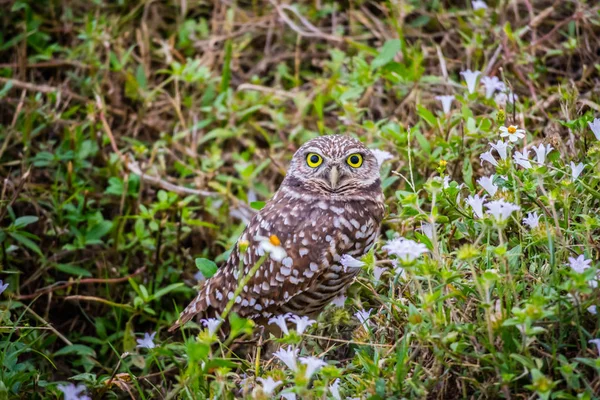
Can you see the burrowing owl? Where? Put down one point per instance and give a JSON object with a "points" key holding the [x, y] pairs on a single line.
{"points": [[330, 204]]}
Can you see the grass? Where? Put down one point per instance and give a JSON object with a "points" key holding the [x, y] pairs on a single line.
{"points": [[138, 137]]}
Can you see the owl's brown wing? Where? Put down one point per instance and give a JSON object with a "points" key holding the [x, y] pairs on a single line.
{"points": [[310, 249]]}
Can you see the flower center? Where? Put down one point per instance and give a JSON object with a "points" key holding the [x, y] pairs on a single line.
{"points": [[512, 129], [274, 240]]}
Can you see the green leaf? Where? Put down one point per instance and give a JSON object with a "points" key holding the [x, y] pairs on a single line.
{"points": [[207, 267], [226, 74], [24, 221], [387, 53], [73, 270], [78, 349], [30, 244], [159, 293], [98, 230]]}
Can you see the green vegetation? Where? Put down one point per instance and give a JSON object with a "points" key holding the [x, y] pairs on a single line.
{"points": [[137, 137]]}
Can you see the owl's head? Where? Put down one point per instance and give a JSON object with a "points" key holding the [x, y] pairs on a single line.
{"points": [[334, 165]]}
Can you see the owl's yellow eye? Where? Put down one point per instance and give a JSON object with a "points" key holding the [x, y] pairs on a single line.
{"points": [[354, 160], [314, 160]]}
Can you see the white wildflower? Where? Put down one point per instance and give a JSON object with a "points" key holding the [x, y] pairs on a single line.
{"points": [[595, 127], [281, 322], [301, 323], [269, 385], [488, 184], [3, 286], [288, 396], [348, 261], [407, 250], [479, 5], [399, 271], [501, 210], [522, 158], [212, 324], [446, 102], [576, 170], [427, 228], [271, 245], [476, 204], [147, 342], [446, 182], [501, 148], [532, 220], [381, 156], [491, 83], [288, 357], [502, 98], [72, 392], [363, 316], [313, 364], [592, 309], [579, 264], [511, 97], [339, 301], [596, 342], [541, 152], [334, 389], [512, 132], [377, 272], [487, 156], [471, 79]]}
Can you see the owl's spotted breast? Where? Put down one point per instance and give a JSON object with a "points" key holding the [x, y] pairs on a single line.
{"points": [[317, 218]]}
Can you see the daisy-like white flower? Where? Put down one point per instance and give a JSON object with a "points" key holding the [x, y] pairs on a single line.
{"points": [[334, 389], [377, 272], [488, 184], [281, 322], [271, 245], [501, 148], [72, 392], [269, 385], [512, 132], [476, 204], [363, 316], [407, 250], [595, 127], [592, 310], [147, 342], [576, 170], [288, 357], [532, 220], [313, 364], [288, 396], [211, 324], [3, 286], [487, 156], [471, 79], [501, 210], [522, 159], [596, 342], [348, 261], [381, 156], [491, 83], [541, 152], [301, 323], [339, 301], [479, 5], [579, 264], [446, 102]]}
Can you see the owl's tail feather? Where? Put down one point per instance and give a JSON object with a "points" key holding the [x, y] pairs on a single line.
{"points": [[200, 304]]}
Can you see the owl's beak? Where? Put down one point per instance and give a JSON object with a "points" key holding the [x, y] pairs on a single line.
{"points": [[333, 176]]}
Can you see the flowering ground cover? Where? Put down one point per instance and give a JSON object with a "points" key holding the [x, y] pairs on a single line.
{"points": [[137, 138]]}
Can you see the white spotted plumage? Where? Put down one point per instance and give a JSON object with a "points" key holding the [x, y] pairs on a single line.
{"points": [[318, 215]]}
